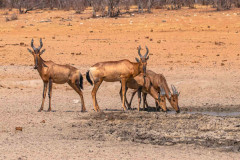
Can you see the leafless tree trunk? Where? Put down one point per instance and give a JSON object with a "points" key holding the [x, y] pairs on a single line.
{"points": [[140, 6], [149, 5], [113, 8]]}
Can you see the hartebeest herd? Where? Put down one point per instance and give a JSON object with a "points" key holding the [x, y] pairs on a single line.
{"points": [[133, 75]]}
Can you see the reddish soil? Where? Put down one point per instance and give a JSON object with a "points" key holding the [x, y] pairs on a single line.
{"points": [[197, 50]]}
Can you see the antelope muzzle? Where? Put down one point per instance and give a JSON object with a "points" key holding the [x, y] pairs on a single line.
{"points": [[36, 64]]}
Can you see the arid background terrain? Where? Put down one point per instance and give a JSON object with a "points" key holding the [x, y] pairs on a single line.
{"points": [[197, 50]]}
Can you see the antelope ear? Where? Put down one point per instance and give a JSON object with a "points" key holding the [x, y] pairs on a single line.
{"points": [[137, 60], [44, 65], [170, 95], [147, 58], [29, 50], [42, 51]]}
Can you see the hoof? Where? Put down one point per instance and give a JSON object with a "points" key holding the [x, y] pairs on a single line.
{"points": [[83, 110], [39, 110], [49, 110]]}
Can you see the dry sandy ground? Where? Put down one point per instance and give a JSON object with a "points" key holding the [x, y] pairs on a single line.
{"points": [[197, 51]]}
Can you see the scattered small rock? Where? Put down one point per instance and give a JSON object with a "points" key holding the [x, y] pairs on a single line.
{"points": [[43, 121], [164, 21], [219, 43], [18, 128], [43, 21], [76, 101]]}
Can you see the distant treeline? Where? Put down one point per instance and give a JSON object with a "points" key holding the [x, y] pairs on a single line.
{"points": [[113, 8]]}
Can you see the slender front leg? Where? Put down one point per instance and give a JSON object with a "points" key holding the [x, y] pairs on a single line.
{"points": [[94, 92], [144, 100], [145, 94], [156, 104], [50, 94], [45, 84], [130, 103], [139, 98], [124, 93]]}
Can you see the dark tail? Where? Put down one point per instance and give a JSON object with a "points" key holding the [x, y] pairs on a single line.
{"points": [[88, 78], [81, 81]]}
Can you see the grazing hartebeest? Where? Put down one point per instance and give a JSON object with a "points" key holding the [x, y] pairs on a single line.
{"points": [[159, 80], [143, 84], [112, 71], [51, 72]]}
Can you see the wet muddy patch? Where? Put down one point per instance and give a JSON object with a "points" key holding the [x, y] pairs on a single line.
{"points": [[159, 128]]}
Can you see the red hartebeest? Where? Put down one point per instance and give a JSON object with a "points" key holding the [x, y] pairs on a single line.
{"points": [[143, 84], [159, 80], [112, 71], [156, 81], [51, 72]]}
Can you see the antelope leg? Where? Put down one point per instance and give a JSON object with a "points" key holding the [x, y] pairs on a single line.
{"points": [[79, 91], [130, 102], [44, 95], [139, 98], [50, 94], [144, 100], [94, 92], [124, 93]]}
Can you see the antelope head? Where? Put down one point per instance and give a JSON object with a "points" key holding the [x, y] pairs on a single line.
{"points": [[142, 61], [36, 52], [162, 99], [174, 98]]}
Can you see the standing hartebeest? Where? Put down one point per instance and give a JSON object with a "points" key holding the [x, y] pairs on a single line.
{"points": [[51, 72], [112, 71], [143, 84], [156, 81]]}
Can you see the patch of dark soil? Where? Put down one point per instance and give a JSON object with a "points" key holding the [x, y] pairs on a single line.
{"points": [[159, 128]]}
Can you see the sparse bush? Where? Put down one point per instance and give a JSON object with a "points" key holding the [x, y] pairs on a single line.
{"points": [[12, 18], [7, 19], [78, 12]]}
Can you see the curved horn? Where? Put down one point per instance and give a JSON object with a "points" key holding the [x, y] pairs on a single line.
{"points": [[162, 91], [139, 50], [169, 94], [173, 89], [41, 44], [146, 52], [32, 45], [176, 90]]}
